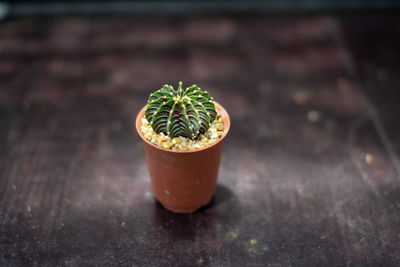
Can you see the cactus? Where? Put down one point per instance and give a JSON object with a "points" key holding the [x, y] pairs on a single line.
{"points": [[186, 113]]}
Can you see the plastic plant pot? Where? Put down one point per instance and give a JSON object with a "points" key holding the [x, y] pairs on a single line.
{"points": [[184, 181]]}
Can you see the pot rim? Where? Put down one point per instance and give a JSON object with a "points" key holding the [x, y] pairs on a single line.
{"points": [[220, 108]]}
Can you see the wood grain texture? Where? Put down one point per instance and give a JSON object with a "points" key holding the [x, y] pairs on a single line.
{"points": [[308, 175]]}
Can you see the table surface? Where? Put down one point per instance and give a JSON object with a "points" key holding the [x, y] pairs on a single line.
{"points": [[310, 171]]}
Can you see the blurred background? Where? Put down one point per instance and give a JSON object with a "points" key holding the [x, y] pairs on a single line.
{"points": [[310, 173]]}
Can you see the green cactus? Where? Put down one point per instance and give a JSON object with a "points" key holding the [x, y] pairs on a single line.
{"points": [[186, 113]]}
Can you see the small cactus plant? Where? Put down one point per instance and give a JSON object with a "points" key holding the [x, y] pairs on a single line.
{"points": [[186, 113]]}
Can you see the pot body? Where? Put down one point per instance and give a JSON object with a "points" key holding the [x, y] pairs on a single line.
{"points": [[184, 181]]}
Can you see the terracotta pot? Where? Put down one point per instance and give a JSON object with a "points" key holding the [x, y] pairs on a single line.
{"points": [[184, 181]]}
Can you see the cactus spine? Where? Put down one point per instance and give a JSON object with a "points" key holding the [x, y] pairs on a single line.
{"points": [[185, 112]]}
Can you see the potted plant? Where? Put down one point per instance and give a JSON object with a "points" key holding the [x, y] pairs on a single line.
{"points": [[182, 132]]}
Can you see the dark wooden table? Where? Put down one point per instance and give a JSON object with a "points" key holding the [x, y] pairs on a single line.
{"points": [[310, 174]]}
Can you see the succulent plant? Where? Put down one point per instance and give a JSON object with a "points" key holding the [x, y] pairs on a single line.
{"points": [[185, 112]]}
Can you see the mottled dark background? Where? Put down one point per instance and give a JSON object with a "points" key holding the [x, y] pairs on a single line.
{"points": [[310, 174]]}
